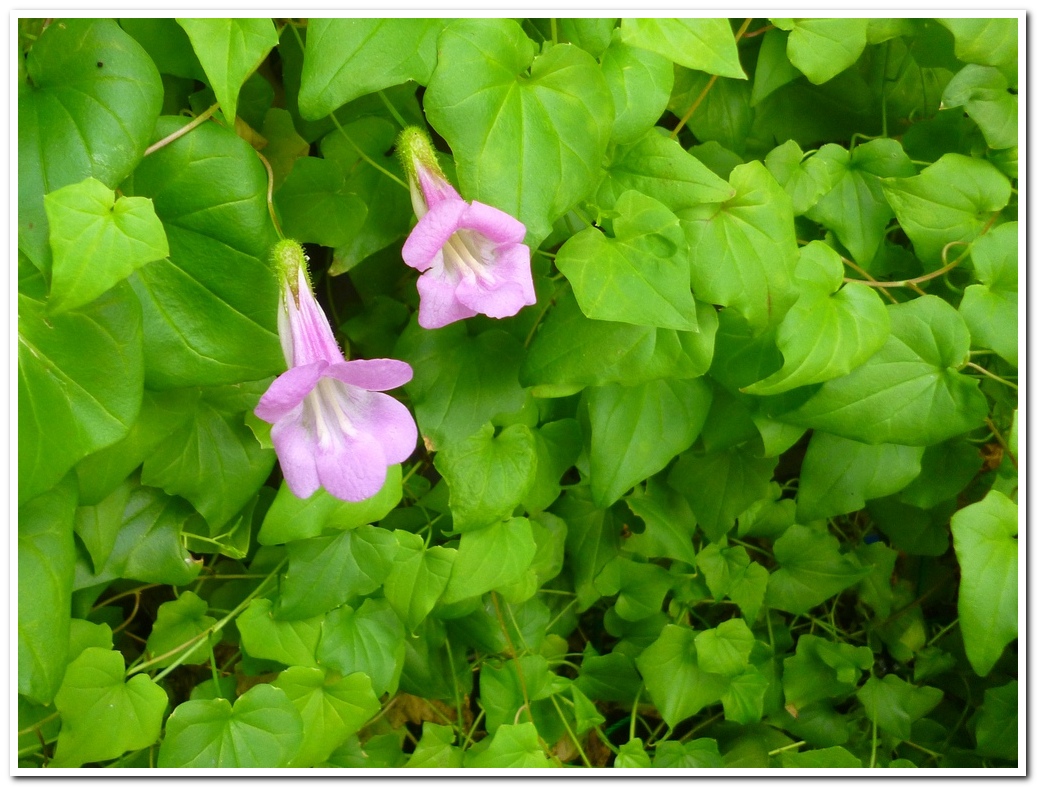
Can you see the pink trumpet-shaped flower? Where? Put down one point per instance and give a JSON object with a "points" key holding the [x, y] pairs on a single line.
{"points": [[331, 427], [471, 255]]}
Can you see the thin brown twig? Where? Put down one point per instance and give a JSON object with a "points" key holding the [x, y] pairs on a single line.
{"points": [[183, 130]]}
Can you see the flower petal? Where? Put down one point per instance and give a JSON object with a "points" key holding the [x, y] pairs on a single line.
{"points": [[388, 422], [352, 469], [507, 291], [288, 391], [295, 451], [377, 374], [495, 224], [434, 188], [439, 305], [431, 233]]}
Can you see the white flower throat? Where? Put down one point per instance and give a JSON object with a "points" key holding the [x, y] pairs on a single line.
{"points": [[462, 254], [329, 416]]}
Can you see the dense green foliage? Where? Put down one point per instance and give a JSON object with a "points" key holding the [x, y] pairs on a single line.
{"points": [[739, 491]]}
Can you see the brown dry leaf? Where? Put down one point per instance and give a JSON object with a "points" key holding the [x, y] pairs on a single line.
{"points": [[249, 134], [597, 752], [407, 708]]}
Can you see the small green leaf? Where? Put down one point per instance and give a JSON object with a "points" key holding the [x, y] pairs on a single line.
{"points": [[669, 523], [632, 754], [527, 132], [263, 729], [773, 70], [637, 430], [744, 250], [894, 704], [80, 384], [725, 649], [46, 565], [991, 309], [369, 639], [703, 44], [571, 351], [587, 715], [417, 579], [908, 392], [213, 460], [332, 708], [349, 58], [839, 475], [951, 200], [264, 636], [97, 241], [511, 746], [822, 48], [102, 715], [316, 206], [911, 529], [290, 518], [229, 50], [327, 571], [642, 587], [435, 748], [490, 557], [592, 539], [658, 167], [488, 475], [946, 469], [812, 570], [986, 543], [745, 695], [830, 330], [697, 753], [460, 381], [179, 622], [990, 42], [984, 93], [997, 722], [854, 205], [640, 275], [640, 82], [805, 180], [822, 669], [678, 686]]}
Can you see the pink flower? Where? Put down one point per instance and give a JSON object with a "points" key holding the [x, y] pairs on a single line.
{"points": [[330, 426], [471, 255]]}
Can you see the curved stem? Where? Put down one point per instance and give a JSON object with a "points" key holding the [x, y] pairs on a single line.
{"points": [[270, 195], [991, 375], [184, 130]]}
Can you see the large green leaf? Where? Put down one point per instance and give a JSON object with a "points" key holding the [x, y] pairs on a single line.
{"points": [[637, 430], [640, 82], [46, 564], [952, 200], [290, 518], [721, 485], [291, 642], [489, 558], [893, 704], [213, 460], [640, 275], [210, 309], [263, 729], [679, 687], [985, 94], [348, 58], [102, 714], [909, 392], [331, 570], [87, 108], [571, 351], [658, 167], [986, 543], [839, 475], [830, 330], [368, 639], [854, 206], [97, 241], [989, 42], [812, 570], [991, 309], [229, 51], [460, 381], [744, 250], [80, 384], [527, 132], [332, 708], [488, 475], [703, 44], [822, 48]]}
